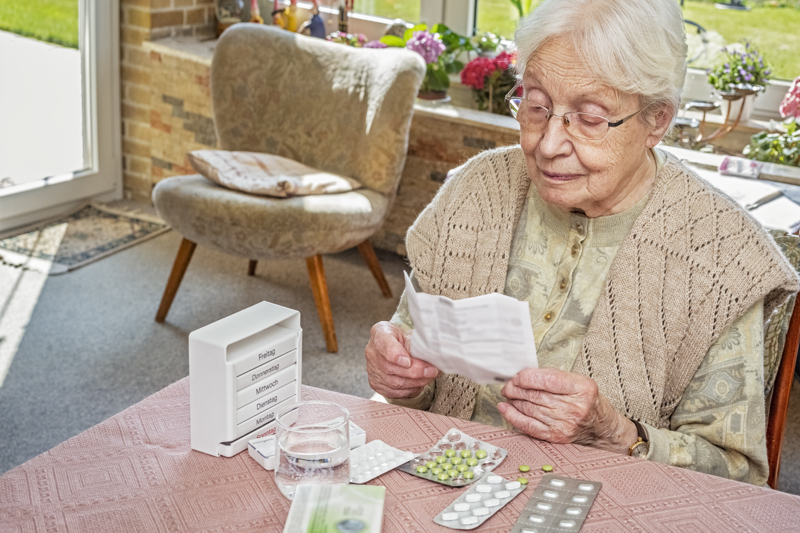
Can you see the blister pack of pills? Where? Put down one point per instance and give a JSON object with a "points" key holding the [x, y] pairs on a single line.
{"points": [[456, 460], [478, 503], [374, 459], [559, 504]]}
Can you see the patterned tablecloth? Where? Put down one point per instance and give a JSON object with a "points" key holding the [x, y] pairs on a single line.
{"points": [[136, 472]]}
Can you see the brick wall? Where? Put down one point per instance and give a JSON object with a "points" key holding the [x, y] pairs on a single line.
{"points": [[141, 21]]}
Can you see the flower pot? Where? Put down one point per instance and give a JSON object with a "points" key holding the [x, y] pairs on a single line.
{"points": [[735, 105], [434, 96]]}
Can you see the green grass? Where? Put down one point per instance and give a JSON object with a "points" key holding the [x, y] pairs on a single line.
{"points": [[391, 9], [53, 21], [775, 31]]}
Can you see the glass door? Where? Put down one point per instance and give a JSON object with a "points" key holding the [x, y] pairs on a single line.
{"points": [[59, 106]]}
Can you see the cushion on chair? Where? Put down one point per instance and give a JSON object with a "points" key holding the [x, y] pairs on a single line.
{"points": [[266, 174], [259, 227]]}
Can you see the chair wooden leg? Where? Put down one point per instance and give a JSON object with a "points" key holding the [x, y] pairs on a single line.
{"points": [[368, 253], [185, 252], [319, 287], [251, 267]]}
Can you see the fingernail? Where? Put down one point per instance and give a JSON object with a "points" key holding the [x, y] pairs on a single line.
{"points": [[405, 362], [502, 407], [431, 372]]}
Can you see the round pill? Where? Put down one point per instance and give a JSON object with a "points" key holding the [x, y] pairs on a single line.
{"points": [[462, 468], [573, 510], [557, 482], [480, 511], [436, 471], [430, 464], [442, 476], [492, 503], [480, 454], [547, 468], [446, 466], [585, 486], [449, 453], [524, 468], [422, 469], [502, 494], [460, 507], [468, 520], [472, 498], [494, 480], [453, 473], [466, 453], [580, 499], [441, 459], [513, 485], [483, 488], [536, 518], [447, 517], [544, 506], [566, 523], [550, 494], [468, 474], [472, 461], [455, 460]]}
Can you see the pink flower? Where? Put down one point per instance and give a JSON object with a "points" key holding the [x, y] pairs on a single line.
{"points": [[790, 107], [427, 45]]}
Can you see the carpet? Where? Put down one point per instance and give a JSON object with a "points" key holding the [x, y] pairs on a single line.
{"points": [[68, 242]]}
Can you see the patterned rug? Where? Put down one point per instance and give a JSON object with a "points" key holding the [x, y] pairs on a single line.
{"points": [[71, 241]]}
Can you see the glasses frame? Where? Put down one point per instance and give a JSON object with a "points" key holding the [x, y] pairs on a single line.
{"points": [[511, 98]]}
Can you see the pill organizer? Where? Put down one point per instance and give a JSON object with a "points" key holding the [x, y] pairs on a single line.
{"points": [[559, 504], [243, 371], [456, 460], [478, 503], [374, 459], [263, 448]]}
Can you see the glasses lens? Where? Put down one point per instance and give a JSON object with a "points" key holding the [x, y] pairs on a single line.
{"points": [[587, 126], [529, 115]]}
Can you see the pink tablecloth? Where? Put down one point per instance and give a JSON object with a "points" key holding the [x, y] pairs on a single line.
{"points": [[136, 472]]}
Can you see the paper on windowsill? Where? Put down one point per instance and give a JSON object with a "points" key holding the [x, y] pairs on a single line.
{"points": [[487, 339]]}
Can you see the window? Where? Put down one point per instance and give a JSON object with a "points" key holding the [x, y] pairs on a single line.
{"points": [[391, 9]]}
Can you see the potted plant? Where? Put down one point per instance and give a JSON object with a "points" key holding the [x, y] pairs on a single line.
{"points": [[738, 80], [491, 78], [782, 147], [439, 49]]}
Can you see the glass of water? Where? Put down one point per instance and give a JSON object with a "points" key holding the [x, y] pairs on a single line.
{"points": [[313, 446]]}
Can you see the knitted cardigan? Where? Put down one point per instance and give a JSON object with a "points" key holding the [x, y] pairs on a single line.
{"points": [[692, 263]]}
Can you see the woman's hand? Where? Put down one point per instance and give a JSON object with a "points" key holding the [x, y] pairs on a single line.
{"points": [[563, 407], [392, 371]]}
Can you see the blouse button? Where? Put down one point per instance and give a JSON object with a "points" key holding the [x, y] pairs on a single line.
{"points": [[575, 250], [548, 316], [579, 227], [563, 284]]}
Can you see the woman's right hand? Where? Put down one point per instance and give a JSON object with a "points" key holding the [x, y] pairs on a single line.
{"points": [[393, 373]]}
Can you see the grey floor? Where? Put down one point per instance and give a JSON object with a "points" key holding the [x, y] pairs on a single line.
{"points": [[91, 347]]}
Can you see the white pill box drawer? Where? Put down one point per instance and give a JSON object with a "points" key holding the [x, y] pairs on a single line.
{"points": [[265, 371], [261, 395], [249, 358]]}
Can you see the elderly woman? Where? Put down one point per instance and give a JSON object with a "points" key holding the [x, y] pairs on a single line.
{"points": [[648, 289]]}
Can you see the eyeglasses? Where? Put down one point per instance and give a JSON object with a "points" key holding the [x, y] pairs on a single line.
{"points": [[532, 116]]}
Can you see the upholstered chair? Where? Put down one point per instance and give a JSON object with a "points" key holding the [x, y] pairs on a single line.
{"points": [[332, 107]]}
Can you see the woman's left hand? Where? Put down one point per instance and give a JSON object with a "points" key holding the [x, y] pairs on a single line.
{"points": [[563, 407]]}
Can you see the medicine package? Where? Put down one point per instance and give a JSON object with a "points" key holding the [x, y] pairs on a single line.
{"points": [[456, 460], [479, 503], [339, 508], [558, 504], [374, 459]]}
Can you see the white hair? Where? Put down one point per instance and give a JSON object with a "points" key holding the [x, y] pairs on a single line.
{"points": [[633, 46]]}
